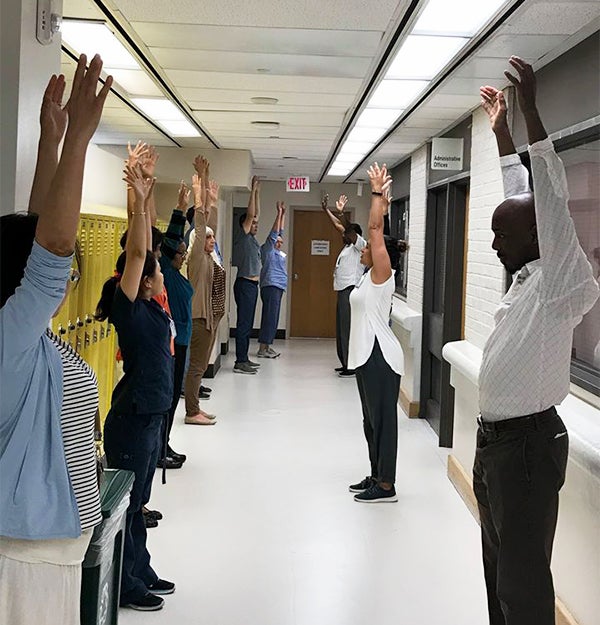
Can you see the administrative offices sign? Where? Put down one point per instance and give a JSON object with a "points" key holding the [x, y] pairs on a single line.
{"points": [[447, 154]]}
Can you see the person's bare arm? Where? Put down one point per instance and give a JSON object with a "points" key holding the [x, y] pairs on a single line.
{"points": [[340, 206], [251, 211], [148, 166], [137, 236], [380, 181], [57, 225], [282, 218], [53, 123], [494, 104], [334, 220], [212, 198]]}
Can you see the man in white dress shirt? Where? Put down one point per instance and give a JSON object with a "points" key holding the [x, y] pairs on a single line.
{"points": [[522, 444]]}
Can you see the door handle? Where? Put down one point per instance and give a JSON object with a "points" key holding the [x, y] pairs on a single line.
{"points": [[295, 276]]}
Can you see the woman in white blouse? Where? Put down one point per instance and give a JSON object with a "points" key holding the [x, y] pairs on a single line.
{"points": [[374, 351]]}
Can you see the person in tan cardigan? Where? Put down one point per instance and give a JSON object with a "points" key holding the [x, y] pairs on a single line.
{"points": [[207, 277]]}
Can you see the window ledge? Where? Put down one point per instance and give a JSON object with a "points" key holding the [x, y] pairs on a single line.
{"points": [[407, 318], [465, 358]]}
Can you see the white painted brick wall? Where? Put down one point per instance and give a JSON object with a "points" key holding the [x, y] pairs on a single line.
{"points": [[485, 275], [418, 207]]}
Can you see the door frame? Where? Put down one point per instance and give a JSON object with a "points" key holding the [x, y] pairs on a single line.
{"points": [[453, 300]]}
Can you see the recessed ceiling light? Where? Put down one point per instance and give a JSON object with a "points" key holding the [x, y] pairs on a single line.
{"points": [[261, 100], [265, 124]]}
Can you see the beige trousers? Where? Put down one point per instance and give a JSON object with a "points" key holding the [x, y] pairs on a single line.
{"points": [[201, 346]]}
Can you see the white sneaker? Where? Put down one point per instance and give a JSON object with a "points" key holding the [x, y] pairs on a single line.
{"points": [[273, 353], [266, 353]]}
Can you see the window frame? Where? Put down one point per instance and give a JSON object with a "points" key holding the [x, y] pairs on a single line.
{"points": [[583, 375], [402, 203]]}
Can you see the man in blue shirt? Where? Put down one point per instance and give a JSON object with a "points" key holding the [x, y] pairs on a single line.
{"points": [[246, 257]]}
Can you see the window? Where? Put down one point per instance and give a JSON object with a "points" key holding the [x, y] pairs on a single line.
{"points": [[582, 164], [399, 229]]}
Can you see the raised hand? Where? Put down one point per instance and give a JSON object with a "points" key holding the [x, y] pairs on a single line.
{"points": [[183, 196], [148, 161], [136, 181], [84, 106], [387, 196], [379, 177], [213, 192], [341, 203], [255, 183], [53, 116], [525, 84], [197, 188], [281, 208], [200, 165], [494, 104], [135, 154]]}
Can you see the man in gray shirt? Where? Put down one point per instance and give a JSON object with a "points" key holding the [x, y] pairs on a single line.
{"points": [[246, 257]]}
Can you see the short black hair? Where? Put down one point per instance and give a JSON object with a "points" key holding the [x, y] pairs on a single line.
{"points": [[392, 246], [189, 215], [356, 228], [242, 219], [157, 238]]}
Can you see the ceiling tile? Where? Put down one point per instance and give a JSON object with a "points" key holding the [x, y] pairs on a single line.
{"points": [[248, 63], [553, 18], [526, 46]]}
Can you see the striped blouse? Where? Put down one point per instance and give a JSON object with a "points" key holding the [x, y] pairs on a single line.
{"points": [[77, 420]]}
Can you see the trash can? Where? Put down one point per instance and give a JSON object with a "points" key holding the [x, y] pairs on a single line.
{"points": [[101, 574]]}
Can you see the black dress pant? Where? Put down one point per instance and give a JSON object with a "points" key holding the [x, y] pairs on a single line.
{"points": [[519, 468], [342, 325], [179, 370], [378, 386], [133, 442]]}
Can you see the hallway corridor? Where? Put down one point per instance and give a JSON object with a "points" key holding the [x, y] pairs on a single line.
{"points": [[259, 527]]}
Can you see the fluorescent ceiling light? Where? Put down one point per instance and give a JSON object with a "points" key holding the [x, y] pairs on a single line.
{"points": [[357, 147], [180, 128], [377, 118], [135, 82], [459, 17], [159, 109], [368, 135], [423, 56], [396, 93], [90, 38]]}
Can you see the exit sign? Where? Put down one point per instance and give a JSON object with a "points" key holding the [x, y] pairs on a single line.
{"points": [[298, 183]]}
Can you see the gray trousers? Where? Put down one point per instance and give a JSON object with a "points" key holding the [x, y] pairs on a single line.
{"points": [[378, 386], [342, 325]]}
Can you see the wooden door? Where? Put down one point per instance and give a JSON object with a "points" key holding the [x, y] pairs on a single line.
{"points": [[312, 295]]}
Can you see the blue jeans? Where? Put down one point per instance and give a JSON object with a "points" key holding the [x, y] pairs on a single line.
{"points": [[246, 293], [271, 305], [133, 442]]}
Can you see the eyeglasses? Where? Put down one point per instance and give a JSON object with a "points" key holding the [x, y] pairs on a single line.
{"points": [[182, 254]]}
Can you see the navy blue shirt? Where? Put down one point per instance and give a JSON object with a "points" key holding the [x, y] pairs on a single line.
{"points": [[180, 294], [144, 331]]}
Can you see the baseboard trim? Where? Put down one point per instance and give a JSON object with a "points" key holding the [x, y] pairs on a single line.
{"points": [[280, 334], [213, 368], [411, 408], [464, 486]]}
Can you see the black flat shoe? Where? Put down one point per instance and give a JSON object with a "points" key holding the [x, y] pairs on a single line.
{"points": [[152, 514], [149, 522], [205, 389], [203, 395]]}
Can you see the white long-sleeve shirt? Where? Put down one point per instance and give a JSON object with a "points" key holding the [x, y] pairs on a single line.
{"points": [[526, 361]]}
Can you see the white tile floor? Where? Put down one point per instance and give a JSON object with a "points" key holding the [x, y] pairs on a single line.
{"points": [[260, 528]]}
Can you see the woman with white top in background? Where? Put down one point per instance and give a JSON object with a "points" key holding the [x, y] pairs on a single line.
{"points": [[374, 351]]}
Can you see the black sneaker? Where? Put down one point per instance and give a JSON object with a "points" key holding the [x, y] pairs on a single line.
{"points": [[162, 587], [173, 454], [152, 514], [149, 522], [203, 395], [362, 486], [170, 463], [147, 603], [251, 363], [205, 389], [243, 367], [347, 373], [339, 369], [376, 494]]}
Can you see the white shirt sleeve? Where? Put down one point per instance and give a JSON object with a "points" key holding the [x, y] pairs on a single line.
{"points": [[360, 243], [515, 176], [565, 269]]}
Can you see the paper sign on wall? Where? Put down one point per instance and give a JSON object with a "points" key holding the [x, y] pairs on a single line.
{"points": [[447, 154], [319, 248], [297, 183]]}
